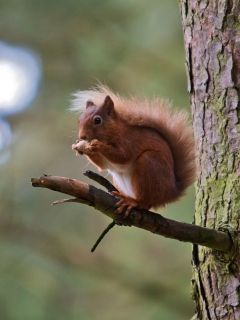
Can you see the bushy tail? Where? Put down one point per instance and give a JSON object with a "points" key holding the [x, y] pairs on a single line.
{"points": [[158, 114]]}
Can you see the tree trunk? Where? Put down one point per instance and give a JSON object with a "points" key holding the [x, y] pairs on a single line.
{"points": [[212, 44]]}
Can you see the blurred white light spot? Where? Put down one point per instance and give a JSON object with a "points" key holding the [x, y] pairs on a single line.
{"points": [[9, 87], [20, 73]]}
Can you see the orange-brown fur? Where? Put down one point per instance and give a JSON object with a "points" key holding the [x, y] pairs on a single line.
{"points": [[148, 137]]}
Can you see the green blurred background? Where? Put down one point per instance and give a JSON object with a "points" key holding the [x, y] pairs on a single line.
{"points": [[46, 268]]}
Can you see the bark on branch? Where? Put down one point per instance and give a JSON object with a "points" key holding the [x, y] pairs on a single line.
{"points": [[143, 219]]}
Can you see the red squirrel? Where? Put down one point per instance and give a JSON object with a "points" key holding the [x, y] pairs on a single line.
{"points": [[146, 146]]}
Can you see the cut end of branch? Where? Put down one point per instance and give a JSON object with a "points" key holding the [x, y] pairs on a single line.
{"points": [[36, 182]]}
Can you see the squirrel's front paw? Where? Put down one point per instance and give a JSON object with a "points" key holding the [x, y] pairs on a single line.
{"points": [[94, 145]]}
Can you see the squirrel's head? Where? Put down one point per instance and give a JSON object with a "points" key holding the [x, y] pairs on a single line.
{"points": [[97, 122]]}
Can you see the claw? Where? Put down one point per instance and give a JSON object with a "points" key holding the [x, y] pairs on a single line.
{"points": [[115, 194]]}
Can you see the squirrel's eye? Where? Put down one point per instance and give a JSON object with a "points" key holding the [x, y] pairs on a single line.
{"points": [[97, 120]]}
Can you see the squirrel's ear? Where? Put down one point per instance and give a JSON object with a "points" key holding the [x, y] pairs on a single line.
{"points": [[108, 105], [89, 104]]}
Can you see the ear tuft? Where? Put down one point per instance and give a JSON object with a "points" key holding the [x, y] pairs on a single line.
{"points": [[89, 104], [108, 105]]}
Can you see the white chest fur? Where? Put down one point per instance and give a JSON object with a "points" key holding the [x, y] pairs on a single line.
{"points": [[122, 176]]}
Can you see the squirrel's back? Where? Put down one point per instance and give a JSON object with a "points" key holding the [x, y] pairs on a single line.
{"points": [[158, 114]]}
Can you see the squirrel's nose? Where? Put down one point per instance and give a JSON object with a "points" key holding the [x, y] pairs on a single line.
{"points": [[82, 137]]}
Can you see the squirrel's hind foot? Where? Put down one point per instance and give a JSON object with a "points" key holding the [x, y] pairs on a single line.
{"points": [[125, 203]]}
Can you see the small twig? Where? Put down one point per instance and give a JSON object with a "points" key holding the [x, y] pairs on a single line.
{"points": [[101, 180], [106, 184], [78, 200], [109, 227]]}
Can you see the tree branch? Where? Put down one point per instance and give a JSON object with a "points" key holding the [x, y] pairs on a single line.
{"points": [[143, 219]]}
